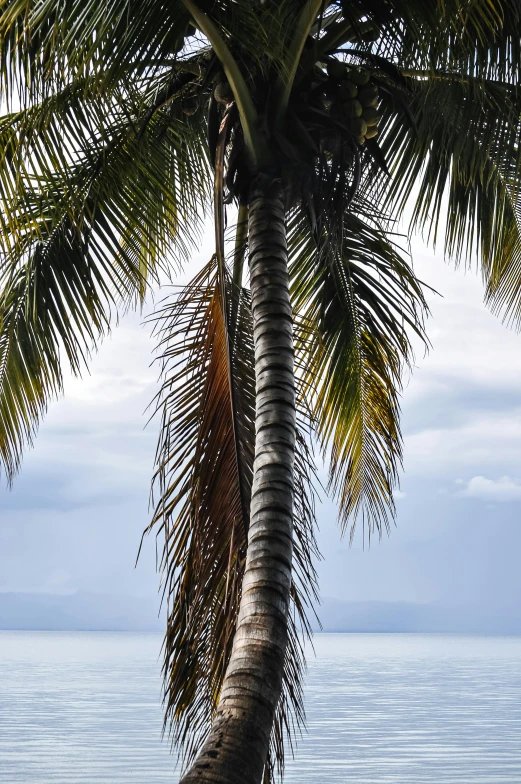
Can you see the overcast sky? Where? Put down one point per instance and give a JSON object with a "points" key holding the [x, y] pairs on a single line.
{"points": [[74, 518]]}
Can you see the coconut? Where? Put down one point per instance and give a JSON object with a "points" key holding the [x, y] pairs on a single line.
{"points": [[353, 108], [358, 126], [366, 101], [336, 70], [359, 77], [223, 92], [368, 95], [189, 105], [370, 87], [371, 116], [360, 139], [347, 90], [371, 132]]}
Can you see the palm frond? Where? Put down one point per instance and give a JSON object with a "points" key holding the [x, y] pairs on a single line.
{"points": [[43, 45], [480, 38], [82, 232], [30, 371], [462, 160], [203, 482], [199, 508], [357, 302]]}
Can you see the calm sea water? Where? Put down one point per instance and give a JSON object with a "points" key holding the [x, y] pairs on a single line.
{"points": [[84, 708]]}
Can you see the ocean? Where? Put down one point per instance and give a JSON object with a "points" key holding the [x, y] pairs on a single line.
{"points": [[84, 708]]}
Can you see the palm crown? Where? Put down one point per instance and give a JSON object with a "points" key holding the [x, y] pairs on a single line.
{"points": [[126, 123]]}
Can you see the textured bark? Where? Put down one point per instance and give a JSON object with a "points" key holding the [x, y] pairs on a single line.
{"points": [[236, 749]]}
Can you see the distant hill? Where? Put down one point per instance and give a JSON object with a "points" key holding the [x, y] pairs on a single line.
{"points": [[84, 611], [79, 611], [341, 616]]}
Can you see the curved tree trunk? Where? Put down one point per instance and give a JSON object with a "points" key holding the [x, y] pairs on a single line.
{"points": [[236, 749]]}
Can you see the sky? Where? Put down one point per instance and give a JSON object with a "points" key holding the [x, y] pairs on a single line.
{"points": [[74, 517]]}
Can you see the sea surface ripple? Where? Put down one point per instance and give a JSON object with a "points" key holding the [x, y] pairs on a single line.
{"points": [[85, 708]]}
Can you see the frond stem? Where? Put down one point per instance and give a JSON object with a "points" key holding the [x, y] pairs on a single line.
{"points": [[227, 317], [287, 76], [245, 105], [338, 34], [241, 237]]}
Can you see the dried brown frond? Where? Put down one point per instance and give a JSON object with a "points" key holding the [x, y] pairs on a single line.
{"points": [[202, 484]]}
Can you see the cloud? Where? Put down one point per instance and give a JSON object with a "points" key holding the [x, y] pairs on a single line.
{"points": [[461, 412], [506, 488], [398, 495], [488, 442]]}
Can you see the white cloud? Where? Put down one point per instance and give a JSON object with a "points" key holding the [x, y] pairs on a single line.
{"points": [[506, 488], [470, 345], [398, 495], [461, 409], [488, 441]]}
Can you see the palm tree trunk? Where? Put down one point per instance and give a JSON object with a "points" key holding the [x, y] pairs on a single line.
{"points": [[236, 749]]}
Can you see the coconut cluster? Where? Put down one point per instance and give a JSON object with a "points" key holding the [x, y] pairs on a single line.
{"points": [[354, 97]]}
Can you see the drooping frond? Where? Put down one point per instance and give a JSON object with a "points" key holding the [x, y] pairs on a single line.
{"points": [[199, 509], [470, 36], [29, 371], [42, 44], [203, 485], [358, 301]]}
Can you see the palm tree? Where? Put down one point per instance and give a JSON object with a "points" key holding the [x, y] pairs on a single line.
{"points": [[318, 122]]}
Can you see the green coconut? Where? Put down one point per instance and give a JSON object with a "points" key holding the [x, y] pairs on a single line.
{"points": [[368, 95], [358, 126], [371, 132], [359, 76], [347, 90], [353, 108], [371, 116], [360, 139], [336, 69], [223, 92], [370, 87], [369, 101]]}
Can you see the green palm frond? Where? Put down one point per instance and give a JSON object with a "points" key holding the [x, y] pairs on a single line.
{"points": [[82, 232], [479, 37], [467, 35], [460, 164], [203, 483], [43, 45], [29, 371], [358, 301]]}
